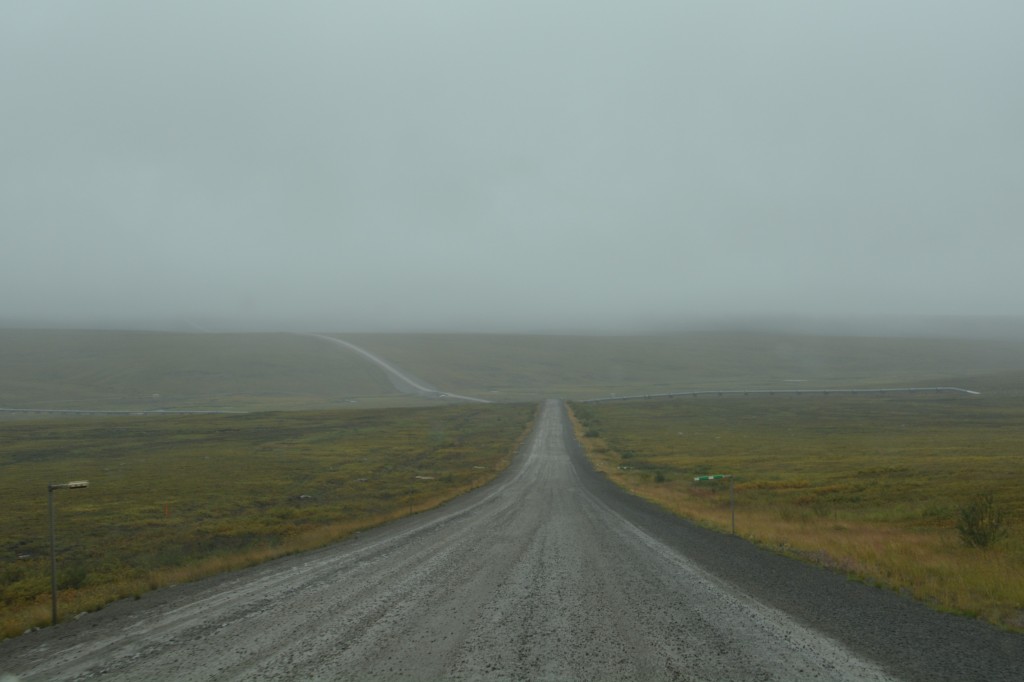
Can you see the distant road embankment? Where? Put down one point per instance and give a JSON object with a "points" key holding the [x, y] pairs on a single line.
{"points": [[788, 391], [403, 381]]}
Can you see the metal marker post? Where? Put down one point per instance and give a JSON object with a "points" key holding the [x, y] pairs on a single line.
{"points": [[53, 540], [732, 493]]}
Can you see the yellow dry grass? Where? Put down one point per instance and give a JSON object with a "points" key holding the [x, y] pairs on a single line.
{"points": [[875, 544]]}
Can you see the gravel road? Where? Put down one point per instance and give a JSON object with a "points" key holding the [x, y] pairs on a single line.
{"points": [[550, 573], [400, 378]]}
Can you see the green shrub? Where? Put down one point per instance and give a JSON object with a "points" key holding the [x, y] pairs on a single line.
{"points": [[982, 523]]}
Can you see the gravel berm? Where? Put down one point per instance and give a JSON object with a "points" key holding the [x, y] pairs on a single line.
{"points": [[549, 573]]}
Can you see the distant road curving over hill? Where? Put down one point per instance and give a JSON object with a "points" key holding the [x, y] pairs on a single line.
{"points": [[401, 379]]}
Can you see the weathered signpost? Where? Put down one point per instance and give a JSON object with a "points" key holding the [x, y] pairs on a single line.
{"points": [[732, 493], [53, 540]]}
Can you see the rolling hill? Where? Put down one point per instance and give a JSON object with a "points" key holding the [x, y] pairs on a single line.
{"points": [[126, 370]]}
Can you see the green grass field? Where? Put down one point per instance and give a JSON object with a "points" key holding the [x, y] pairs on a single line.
{"points": [[156, 370], [869, 485], [177, 497], [578, 367]]}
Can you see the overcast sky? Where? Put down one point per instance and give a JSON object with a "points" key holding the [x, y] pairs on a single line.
{"points": [[510, 165]]}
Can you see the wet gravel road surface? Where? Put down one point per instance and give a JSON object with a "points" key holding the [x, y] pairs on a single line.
{"points": [[550, 573]]}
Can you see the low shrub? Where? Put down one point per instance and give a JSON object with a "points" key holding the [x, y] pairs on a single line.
{"points": [[981, 522]]}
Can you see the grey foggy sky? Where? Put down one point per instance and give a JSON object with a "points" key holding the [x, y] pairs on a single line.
{"points": [[506, 165]]}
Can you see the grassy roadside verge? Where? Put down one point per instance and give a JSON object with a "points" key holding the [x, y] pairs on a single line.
{"points": [[177, 498], [870, 486]]}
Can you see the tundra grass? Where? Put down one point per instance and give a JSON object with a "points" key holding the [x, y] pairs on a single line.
{"points": [[868, 485], [175, 498], [578, 367], [160, 370], [156, 370]]}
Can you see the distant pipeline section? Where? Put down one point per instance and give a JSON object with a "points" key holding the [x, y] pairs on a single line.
{"points": [[786, 391]]}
